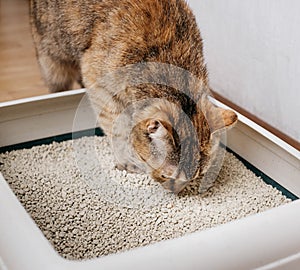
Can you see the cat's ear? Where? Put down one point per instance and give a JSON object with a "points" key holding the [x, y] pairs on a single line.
{"points": [[156, 129], [218, 118]]}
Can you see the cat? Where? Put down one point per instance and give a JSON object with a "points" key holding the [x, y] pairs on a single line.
{"points": [[142, 64]]}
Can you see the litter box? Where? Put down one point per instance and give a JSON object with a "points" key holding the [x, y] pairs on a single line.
{"points": [[267, 240]]}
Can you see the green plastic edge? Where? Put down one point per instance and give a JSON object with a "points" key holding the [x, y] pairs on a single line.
{"points": [[99, 132]]}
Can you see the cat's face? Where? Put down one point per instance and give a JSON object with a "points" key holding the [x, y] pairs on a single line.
{"points": [[175, 159]]}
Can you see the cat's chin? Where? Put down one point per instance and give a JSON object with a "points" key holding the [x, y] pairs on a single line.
{"points": [[130, 168], [175, 185]]}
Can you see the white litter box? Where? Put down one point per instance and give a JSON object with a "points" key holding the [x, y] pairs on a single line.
{"points": [[268, 240]]}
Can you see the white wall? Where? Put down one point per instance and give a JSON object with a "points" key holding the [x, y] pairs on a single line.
{"points": [[252, 50]]}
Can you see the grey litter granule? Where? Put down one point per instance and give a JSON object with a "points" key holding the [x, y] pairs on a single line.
{"points": [[87, 209]]}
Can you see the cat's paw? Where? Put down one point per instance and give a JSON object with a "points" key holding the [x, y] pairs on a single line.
{"points": [[131, 168]]}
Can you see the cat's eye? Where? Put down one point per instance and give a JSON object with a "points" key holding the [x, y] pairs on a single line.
{"points": [[164, 177]]}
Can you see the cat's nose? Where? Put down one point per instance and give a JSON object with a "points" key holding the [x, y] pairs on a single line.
{"points": [[175, 185]]}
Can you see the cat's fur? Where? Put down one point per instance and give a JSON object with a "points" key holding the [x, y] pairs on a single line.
{"points": [[171, 128]]}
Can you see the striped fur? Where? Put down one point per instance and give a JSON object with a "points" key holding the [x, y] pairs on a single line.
{"points": [[142, 63]]}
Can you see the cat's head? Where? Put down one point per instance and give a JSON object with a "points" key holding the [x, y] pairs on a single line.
{"points": [[178, 149]]}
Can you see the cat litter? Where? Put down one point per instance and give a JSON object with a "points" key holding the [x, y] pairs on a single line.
{"points": [[86, 208]]}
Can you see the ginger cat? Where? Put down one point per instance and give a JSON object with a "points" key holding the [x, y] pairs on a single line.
{"points": [[143, 66]]}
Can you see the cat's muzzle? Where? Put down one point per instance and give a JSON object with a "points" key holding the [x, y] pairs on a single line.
{"points": [[175, 185]]}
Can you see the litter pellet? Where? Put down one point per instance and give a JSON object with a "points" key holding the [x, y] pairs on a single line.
{"points": [[86, 208]]}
